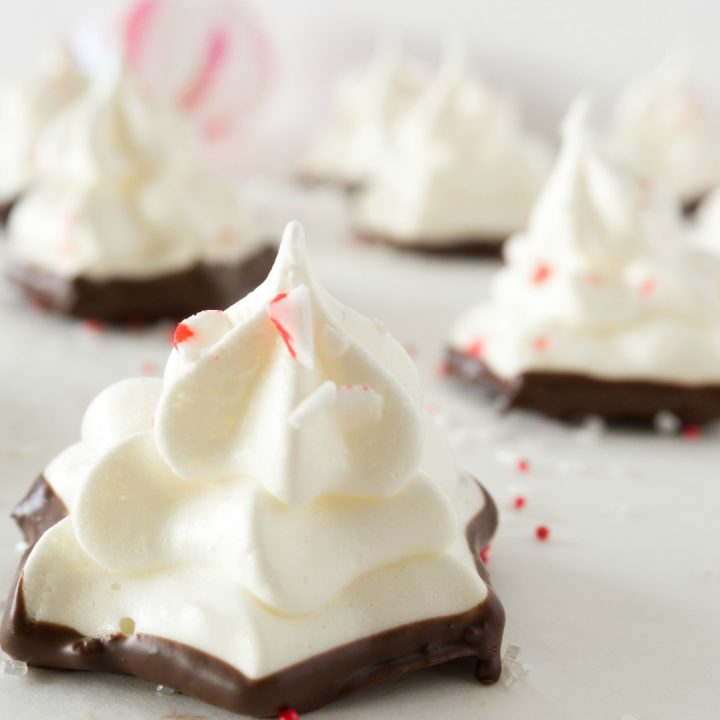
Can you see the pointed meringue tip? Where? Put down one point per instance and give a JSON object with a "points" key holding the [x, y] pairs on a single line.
{"points": [[292, 252], [577, 119], [294, 237]]}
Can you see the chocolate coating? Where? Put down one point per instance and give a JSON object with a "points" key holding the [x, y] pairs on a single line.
{"points": [[489, 247], [573, 396], [38, 511], [305, 686], [6, 207], [172, 296]]}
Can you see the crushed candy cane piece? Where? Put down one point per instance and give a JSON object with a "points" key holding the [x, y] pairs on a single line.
{"points": [[542, 532], [542, 272], [476, 349], [667, 423], [291, 314], [199, 332], [692, 432], [485, 554], [512, 668], [519, 502], [591, 429], [288, 714], [17, 668]]}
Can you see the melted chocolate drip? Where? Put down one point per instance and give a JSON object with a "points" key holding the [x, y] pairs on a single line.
{"points": [[173, 296], [304, 686], [572, 396]]}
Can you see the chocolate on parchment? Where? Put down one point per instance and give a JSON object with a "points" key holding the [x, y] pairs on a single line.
{"points": [[172, 296], [573, 396]]}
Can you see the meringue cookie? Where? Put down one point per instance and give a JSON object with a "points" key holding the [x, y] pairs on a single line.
{"points": [[601, 284], [27, 107], [462, 169], [367, 105], [121, 193], [278, 494], [663, 127]]}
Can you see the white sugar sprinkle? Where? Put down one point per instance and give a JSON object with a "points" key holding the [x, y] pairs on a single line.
{"points": [[21, 546], [164, 690], [666, 423], [17, 668], [512, 668], [591, 430]]}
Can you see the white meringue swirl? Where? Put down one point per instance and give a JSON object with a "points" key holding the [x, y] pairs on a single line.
{"points": [[602, 283], [461, 168], [121, 192], [662, 125], [290, 497], [26, 108]]}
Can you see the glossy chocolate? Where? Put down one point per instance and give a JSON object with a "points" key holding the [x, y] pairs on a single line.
{"points": [[173, 296], [475, 634], [573, 397]]}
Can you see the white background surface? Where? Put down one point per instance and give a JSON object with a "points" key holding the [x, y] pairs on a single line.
{"points": [[542, 51], [619, 613]]}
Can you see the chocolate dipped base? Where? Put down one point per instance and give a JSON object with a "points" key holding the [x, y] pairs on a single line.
{"points": [[349, 187], [305, 686], [173, 296], [6, 207], [38, 511], [572, 397], [489, 247]]}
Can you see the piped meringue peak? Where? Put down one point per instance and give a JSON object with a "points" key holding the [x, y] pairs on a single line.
{"points": [[55, 80], [602, 282], [272, 347], [663, 126], [277, 494], [367, 105], [120, 191], [461, 167]]}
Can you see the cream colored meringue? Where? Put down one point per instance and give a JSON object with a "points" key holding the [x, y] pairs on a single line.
{"points": [[121, 192], [663, 127], [288, 497], [603, 281], [367, 105], [462, 168], [27, 107]]}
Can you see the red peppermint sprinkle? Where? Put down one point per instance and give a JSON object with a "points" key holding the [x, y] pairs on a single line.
{"points": [[542, 272], [476, 349], [485, 554], [443, 369], [282, 330], [226, 236], [288, 714], [692, 432], [522, 465], [648, 287], [182, 334], [148, 367], [93, 325], [542, 532], [519, 502], [541, 343]]}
